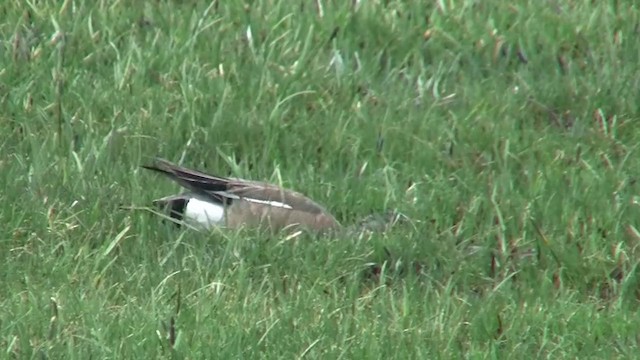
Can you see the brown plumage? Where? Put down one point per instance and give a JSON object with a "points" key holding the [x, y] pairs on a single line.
{"points": [[242, 202]]}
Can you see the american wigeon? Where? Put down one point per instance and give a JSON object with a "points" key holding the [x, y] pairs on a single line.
{"points": [[214, 201]]}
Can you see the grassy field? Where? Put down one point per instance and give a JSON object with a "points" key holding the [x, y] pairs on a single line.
{"points": [[503, 130]]}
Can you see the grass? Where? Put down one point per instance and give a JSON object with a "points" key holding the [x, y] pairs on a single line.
{"points": [[503, 130]]}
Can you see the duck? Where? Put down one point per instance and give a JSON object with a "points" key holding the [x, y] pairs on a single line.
{"points": [[212, 201]]}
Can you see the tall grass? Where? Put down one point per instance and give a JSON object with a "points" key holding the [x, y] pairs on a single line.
{"points": [[504, 131]]}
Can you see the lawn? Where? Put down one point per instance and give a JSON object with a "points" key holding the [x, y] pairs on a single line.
{"points": [[502, 130]]}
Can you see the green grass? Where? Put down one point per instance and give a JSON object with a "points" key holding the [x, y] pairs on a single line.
{"points": [[506, 133]]}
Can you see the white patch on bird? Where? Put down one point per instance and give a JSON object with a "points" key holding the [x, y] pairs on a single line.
{"points": [[204, 213], [270, 203]]}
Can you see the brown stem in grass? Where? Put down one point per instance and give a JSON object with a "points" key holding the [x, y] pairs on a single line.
{"points": [[59, 86]]}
